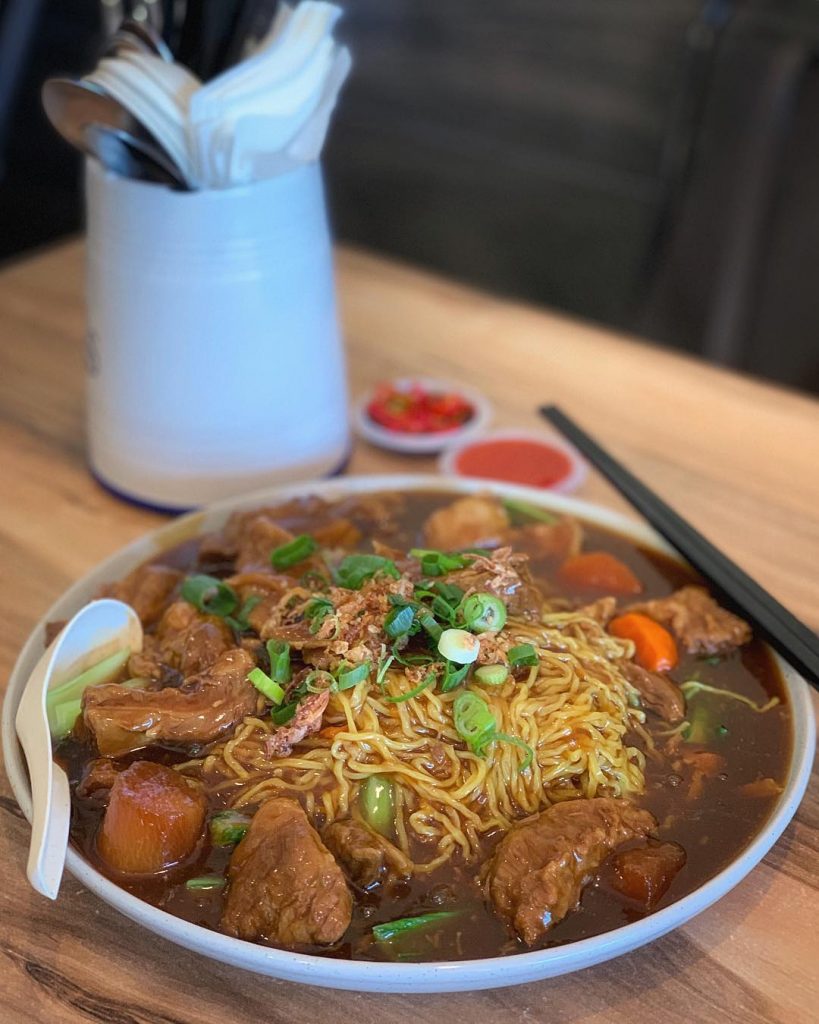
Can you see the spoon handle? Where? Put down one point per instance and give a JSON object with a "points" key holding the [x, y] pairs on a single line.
{"points": [[51, 816]]}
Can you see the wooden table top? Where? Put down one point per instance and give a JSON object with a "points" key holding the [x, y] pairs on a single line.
{"points": [[736, 457]]}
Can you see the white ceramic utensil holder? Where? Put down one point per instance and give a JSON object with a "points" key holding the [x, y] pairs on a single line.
{"points": [[215, 364]]}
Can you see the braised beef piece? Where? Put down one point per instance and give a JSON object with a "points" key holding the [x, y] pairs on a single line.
{"points": [[259, 536], [659, 693], [698, 622], [645, 873], [185, 641], [205, 707], [558, 540], [538, 870], [285, 888], [505, 574], [305, 722], [146, 590], [368, 858], [97, 779], [478, 520]]}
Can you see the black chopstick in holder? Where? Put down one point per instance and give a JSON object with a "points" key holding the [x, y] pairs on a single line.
{"points": [[794, 641]]}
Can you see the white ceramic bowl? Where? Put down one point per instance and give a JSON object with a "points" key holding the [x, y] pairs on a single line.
{"points": [[464, 975]]}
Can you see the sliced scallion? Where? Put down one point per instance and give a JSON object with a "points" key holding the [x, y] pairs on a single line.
{"points": [[529, 510], [265, 685], [415, 691], [63, 717], [317, 611], [522, 655], [492, 675], [399, 621], [458, 645], [279, 653], [483, 613], [63, 701], [293, 552], [227, 828], [377, 801], [284, 714], [395, 929], [453, 676], [354, 570], [348, 676], [210, 595], [438, 563], [205, 882]]}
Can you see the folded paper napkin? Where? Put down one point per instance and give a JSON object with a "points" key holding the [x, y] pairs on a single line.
{"points": [[263, 117]]}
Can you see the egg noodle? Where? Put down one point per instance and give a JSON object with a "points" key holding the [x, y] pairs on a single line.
{"points": [[575, 710]]}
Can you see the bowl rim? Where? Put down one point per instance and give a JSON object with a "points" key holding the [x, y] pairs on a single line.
{"points": [[360, 975]]}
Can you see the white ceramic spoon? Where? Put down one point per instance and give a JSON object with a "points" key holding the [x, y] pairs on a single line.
{"points": [[98, 631]]}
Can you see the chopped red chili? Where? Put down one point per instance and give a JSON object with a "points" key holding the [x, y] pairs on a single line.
{"points": [[415, 410]]}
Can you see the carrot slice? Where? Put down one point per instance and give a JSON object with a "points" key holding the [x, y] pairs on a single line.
{"points": [[153, 819], [598, 570], [654, 647]]}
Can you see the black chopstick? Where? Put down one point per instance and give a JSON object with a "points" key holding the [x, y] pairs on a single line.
{"points": [[791, 638]]}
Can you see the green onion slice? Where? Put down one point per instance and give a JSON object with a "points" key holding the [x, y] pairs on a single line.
{"points": [[383, 667], [284, 714], [293, 552], [318, 681], [348, 676], [399, 621], [205, 882], [492, 675], [474, 721], [529, 511], [227, 828], [476, 725], [265, 685], [63, 717], [482, 613], [317, 611], [210, 595], [377, 801], [454, 675], [354, 570], [522, 655], [63, 701], [394, 929], [438, 563], [413, 658], [415, 691], [279, 653]]}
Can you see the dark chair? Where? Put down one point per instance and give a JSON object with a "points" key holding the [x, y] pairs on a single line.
{"points": [[709, 263], [18, 23]]}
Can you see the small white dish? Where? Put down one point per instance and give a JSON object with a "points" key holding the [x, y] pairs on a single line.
{"points": [[576, 465], [364, 976], [428, 443]]}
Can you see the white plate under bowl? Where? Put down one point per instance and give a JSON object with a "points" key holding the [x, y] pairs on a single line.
{"points": [[365, 976]]}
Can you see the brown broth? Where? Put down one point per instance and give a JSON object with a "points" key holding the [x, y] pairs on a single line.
{"points": [[713, 830]]}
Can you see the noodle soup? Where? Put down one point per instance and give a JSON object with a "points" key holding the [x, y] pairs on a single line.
{"points": [[423, 728]]}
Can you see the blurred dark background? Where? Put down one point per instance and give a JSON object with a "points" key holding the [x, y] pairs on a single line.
{"points": [[649, 164]]}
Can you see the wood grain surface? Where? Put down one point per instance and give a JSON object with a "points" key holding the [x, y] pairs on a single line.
{"points": [[736, 457]]}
